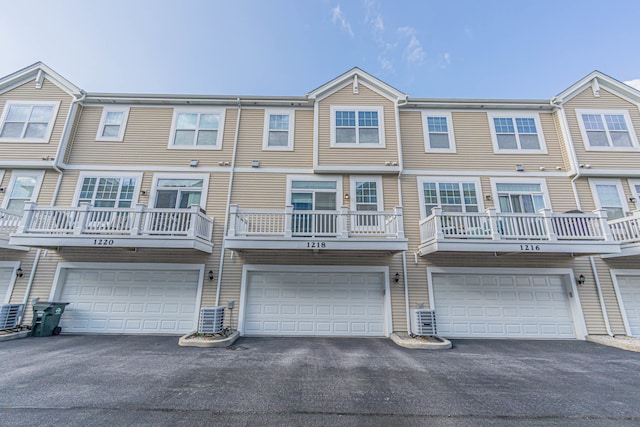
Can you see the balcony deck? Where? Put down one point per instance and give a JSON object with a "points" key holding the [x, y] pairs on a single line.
{"points": [[316, 230], [9, 222], [138, 227], [542, 232], [626, 231]]}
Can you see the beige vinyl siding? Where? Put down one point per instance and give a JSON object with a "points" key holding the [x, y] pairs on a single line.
{"points": [[474, 147], [562, 141], [608, 291], [26, 263], [33, 151], [252, 134], [328, 156], [607, 101], [146, 141]]}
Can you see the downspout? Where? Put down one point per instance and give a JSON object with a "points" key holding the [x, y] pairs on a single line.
{"points": [[404, 253], [27, 291], [226, 214], [600, 296]]}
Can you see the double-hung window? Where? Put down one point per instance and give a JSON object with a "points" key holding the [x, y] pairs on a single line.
{"points": [[357, 126], [450, 195], [438, 132], [608, 195], [112, 124], [27, 121], [607, 130], [367, 197], [517, 134], [197, 129], [278, 129]]}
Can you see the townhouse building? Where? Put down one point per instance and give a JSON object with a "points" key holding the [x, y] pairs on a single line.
{"points": [[334, 213]]}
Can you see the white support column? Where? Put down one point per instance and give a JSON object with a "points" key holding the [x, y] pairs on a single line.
{"points": [[138, 214], [548, 224], [604, 224], [437, 222], [194, 210], [399, 222], [233, 217], [342, 230], [25, 222], [81, 219], [493, 223], [288, 221]]}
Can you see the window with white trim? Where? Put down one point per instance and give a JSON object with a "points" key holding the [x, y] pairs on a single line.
{"points": [[357, 126], [178, 193], [520, 197], [449, 194], [516, 134], [197, 129], [28, 121], [438, 132], [607, 130], [23, 187], [608, 195], [366, 196], [278, 129], [112, 124], [107, 192], [635, 189]]}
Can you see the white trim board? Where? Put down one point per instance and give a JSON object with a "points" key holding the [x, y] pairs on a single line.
{"points": [[615, 272], [4, 264]]}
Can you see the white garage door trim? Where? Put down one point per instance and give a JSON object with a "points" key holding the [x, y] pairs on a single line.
{"points": [[59, 278], [623, 312], [250, 268], [13, 265], [574, 299]]}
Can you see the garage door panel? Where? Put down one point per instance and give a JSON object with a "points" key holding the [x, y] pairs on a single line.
{"points": [[629, 287], [316, 304], [111, 301], [496, 306]]}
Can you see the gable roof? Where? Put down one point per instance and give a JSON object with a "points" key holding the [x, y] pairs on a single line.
{"points": [[597, 79], [356, 75], [36, 72]]}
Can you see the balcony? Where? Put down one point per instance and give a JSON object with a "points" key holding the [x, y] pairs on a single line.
{"points": [[9, 223], [138, 227], [316, 230], [542, 232], [626, 231]]}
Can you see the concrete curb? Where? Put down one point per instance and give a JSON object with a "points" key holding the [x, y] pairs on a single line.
{"points": [[208, 342], [404, 340], [621, 342], [14, 336]]}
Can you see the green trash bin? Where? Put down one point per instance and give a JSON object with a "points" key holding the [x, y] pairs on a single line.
{"points": [[46, 316]]}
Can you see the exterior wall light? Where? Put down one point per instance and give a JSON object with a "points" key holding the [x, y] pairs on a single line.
{"points": [[19, 272], [210, 274], [396, 278], [347, 196], [580, 280]]}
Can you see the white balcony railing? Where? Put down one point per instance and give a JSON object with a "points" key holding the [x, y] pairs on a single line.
{"points": [[494, 226], [342, 223], [626, 230], [87, 220], [9, 222]]}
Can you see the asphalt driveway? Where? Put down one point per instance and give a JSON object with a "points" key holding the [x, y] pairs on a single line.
{"points": [[125, 380]]}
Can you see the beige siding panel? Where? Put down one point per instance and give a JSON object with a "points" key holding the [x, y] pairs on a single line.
{"points": [[564, 149], [26, 263], [28, 92], [604, 268], [328, 156], [474, 147], [606, 101], [259, 190], [145, 141], [252, 134]]}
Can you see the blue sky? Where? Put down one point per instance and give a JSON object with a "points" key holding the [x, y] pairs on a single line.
{"points": [[439, 49]]}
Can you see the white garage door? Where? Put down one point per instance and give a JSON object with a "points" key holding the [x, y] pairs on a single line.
{"points": [[308, 303], [129, 301], [502, 306], [629, 287], [6, 274]]}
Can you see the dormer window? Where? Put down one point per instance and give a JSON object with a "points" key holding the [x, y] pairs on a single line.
{"points": [[28, 121], [607, 130], [357, 126]]}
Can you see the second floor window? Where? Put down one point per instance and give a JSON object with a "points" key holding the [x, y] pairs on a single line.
{"points": [[438, 132], [107, 192], [278, 126], [112, 124], [354, 126], [516, 134], [23, 188], [197, 129], [603, 130], [28, 122], [451, 196]]}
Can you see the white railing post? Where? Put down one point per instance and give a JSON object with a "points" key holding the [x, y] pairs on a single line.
{"points": [[194, 210], [233, 217], [493, 223], [81, 220], [437, 222], [604, 225], [288, 220], [138, 214], [342, 230], [548, 223], [399, 222], [25, 222]]}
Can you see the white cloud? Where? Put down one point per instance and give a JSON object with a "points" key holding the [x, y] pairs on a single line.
{"points": [[414, 52], [447, 57], [338, 16], [634, 83]]}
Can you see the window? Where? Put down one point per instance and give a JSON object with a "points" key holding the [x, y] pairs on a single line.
{"points": [[313, 194], [516, 134], [520, 198], [278, 134], [635, 190], [366, 196], [451, 195], [197, 129], [354, 126], [28, 121], [112, 124], [23, 187], [609, 196], [107, 192], [438, 132], [607, 130]]}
